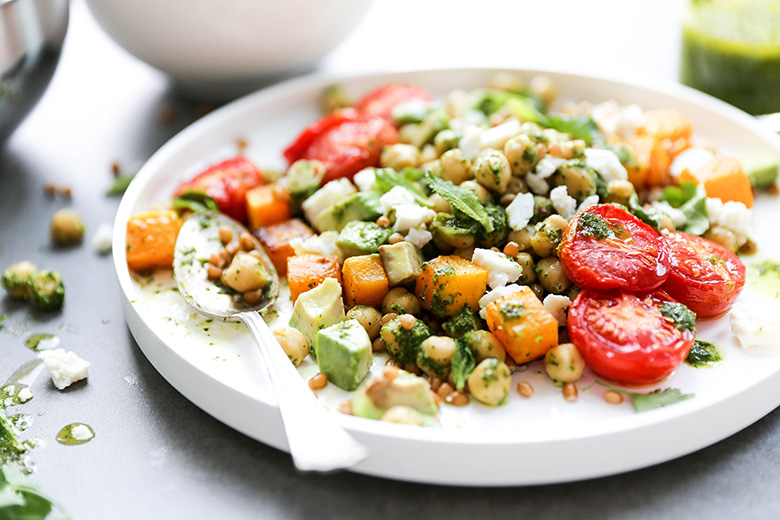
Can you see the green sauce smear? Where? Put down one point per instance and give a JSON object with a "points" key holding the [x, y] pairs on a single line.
{"points": [[703, 353], [65, 435]]}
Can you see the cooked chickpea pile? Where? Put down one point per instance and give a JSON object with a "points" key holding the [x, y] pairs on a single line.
{"points": [[239, 265]]}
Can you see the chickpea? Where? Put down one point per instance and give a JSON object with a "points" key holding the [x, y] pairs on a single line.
{"points": [[66, 227], [293, 342], [334, 97], [445, 140], [389, 333], [578, 179], [439, 204], [506, 80], [484, 345], [482, 194], [369, 318], [516, 185], [551, 275], [522, 154], [491, 169], [548, 235], [455, 167], [619, 191], [400, 156], [408, 133], [490, 382], [564, 363], [526, 261], [566, 149], [400, 301], [522, 237], [401, 414], [245, 273], [16, 276], [428, 154], [435, 355]]}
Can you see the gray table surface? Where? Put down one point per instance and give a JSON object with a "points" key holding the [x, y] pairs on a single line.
{"points": [[156, 455]]}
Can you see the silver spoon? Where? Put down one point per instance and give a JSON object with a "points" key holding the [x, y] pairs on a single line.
{"points": [[316, 441]]}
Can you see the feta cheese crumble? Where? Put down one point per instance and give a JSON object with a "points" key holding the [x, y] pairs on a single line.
{"points": [[81, 432], [395, 197], [606, 163], [322, 244], [689, 159], [408, 216], [565, 205], [364, 179], [419, 237], [326, 196], [732, 215], [754, 325], [494, 295], [471, 142], [558, 306], [520, 211], [65, 368], [497, 136], [501, 269], [101, 240]]}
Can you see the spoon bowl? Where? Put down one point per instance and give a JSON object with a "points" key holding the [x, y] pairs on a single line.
{"points": [[332, 447]]}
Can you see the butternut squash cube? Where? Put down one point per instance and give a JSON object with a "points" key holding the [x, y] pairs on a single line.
{"points": [[447, 283], [365, 281], [267, 204], [306, 272], [151, 239], [276, 240], [723, 178], [522, 325]]}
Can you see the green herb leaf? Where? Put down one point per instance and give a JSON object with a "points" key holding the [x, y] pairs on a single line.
{"points": [[682, 316], [649, 216], [3, 317], [579, 126], [462, 364], [120, 185], [655, 399], [489, 101], [676, 196], [461, 200], [195, 200], [703, 353], [695, 210], [387, 179], [20, 497]]}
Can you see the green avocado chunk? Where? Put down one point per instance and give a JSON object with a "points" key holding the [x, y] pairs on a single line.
{"points": [[402, 262], [363, 205], [380, 393], [362, 238], [318, 308], [344, 353], [762, 170]]}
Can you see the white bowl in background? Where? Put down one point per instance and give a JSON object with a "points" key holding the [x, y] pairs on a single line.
{"points": [[224, 48]]}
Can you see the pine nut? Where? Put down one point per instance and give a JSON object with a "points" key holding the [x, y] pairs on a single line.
{"points": [[525, 389], [213, 272], [512, 249], [444, 390], [383, 221], [225, 234], [457, 399], [570, 392], [395, 238], [613, 397], [318, 381]]}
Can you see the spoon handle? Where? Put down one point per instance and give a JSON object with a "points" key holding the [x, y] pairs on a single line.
{"points": [[316, 441]]}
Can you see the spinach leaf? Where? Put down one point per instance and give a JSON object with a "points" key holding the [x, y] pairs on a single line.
{"points": [[120, 185], [463, 364], [692, 201], [461, 200], [20, 497], [676, 196], [195, 200], [650, 401]]}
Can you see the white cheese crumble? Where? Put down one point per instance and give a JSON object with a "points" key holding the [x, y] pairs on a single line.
{"points": [[326, 196], [101, 240], [547, 166], [471, 142], [24, 394], [614, 119], [689, 159], [497, 136], [732, 215], [754, 325], [408, 216], [65, 368], [322, 244], [537, 184], [606, 163], [396, 196], [419, 237], [520, 211], [501, 269], [565, 205], [589, 201], [677, 217], [364, 179], [495, 294], [81, 432], [558, 306]]}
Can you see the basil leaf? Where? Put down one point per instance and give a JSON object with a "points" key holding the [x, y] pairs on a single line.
{"points": [[120, 185], [676, 196], [695, 210], [461, 200], [655, 399], [195, 200], [649, 216], [462, 364]]}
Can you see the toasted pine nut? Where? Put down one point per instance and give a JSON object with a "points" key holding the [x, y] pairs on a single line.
{"points": [[225, 234], [570, 392], [247, 243], [378, 345], [613, 397], [525, 389], [345, 407], [253, 296], [507, 199], [435, 383], [392, 363], [318, 381], [213, 272], [216, 260], [412, 368], [395, 238], [457, 399], [383, 221], [512, 249], [232, 248], [444, 390]]}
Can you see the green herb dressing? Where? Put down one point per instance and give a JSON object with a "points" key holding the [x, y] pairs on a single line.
{"points": [[703, 354], [764, 277], [83, 434], [34, 342]]}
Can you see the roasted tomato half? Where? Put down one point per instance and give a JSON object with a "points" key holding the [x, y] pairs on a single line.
{"points": [[634, 338], [605, 247], [704, 275], [226, 183], [381, 101]]}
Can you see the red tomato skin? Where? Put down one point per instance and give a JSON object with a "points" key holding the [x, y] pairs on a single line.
{"points": [[626, 339], [381, 101], [298, 148], [226, 183], [719, 278], [641, 265]]}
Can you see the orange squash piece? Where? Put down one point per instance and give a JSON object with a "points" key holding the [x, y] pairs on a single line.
{"points": [[151, 239], [306, 272], [447, 283], [665, 123], [276, 240], [522, 325], [365, 281], [266, 205], [723, 178]]}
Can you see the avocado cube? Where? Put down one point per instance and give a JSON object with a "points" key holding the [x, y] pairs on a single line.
{"points": [[380, 393], [318, 308], [363, 205], [402, 262], [344, 353], [762, 170], [362, 238]]}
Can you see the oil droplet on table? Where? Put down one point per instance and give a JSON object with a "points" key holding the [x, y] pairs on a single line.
{"points": [[75, 433], [38, 342]]}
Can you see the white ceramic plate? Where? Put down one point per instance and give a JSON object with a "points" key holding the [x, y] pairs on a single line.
{"points": [[529, 441]]}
